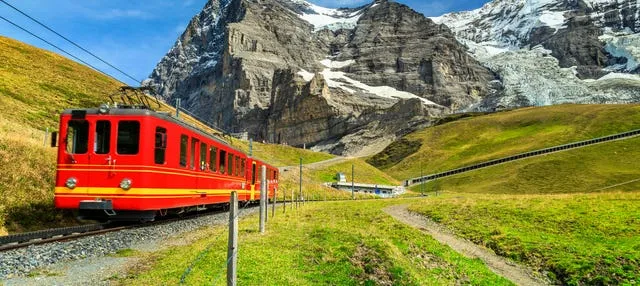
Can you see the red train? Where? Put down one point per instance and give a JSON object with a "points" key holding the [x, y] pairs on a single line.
{"points": [[132, 163]]}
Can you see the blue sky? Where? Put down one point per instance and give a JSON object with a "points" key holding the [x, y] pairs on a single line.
{"points": [[135, 35]]}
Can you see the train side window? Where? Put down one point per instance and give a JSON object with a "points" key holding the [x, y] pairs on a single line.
{"points": [[77, 137], [223, 156], [243, 166], [160, 145], [237, 166], [128, 137], [213, 156], [184, 144], [230, 165], [102, 137], [192, 158], [203, 156]]}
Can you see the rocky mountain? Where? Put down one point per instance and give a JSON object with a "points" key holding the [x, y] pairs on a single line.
{"points": [[554, 51], [346, 81], [351, 80]]}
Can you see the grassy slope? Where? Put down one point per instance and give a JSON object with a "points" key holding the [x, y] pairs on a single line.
{"points": [[585, 169], [535, 211], [586, 239], [345, 243], [478, 139]]}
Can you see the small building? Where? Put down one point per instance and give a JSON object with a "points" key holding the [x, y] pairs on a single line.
{"points": [[378, 190], [341, 177]]}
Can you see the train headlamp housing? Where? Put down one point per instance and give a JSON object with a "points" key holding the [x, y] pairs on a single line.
{"points": [[71, 183], [125, 184], [104, 108]]}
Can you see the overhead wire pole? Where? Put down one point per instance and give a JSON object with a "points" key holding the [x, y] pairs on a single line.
{"points": [[72, 42]]}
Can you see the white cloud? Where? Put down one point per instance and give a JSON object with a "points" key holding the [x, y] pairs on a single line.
{"points": [[119, 13]]}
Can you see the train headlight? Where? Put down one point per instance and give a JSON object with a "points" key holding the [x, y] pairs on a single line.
{"points": [[71, 183], [125, 184], [104, 108]]}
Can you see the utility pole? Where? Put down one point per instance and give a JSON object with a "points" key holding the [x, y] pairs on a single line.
{"points": [[421, 179], [250, 147], [353, 195], [300, 197], [177, 108], [263, 198], [232, 251]]}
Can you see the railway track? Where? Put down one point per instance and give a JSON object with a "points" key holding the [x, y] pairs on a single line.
{"points": [[26, 239]]}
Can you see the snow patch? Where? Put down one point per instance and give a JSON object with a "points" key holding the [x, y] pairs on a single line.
{"points": [[626, 76], [307, 76], [327, 18], [336, 64]]}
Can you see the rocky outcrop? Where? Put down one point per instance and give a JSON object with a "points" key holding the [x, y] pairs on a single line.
{"points": [[291, 72]]}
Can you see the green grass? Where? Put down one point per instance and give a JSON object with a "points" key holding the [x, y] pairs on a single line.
{"points": [[580, 239], [352, 243], [586, 169], [281, 155], [477, 139]]}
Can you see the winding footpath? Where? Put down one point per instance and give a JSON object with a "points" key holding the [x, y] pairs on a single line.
{"points": [[518, 274]]}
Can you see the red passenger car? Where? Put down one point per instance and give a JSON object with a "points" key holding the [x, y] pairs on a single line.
{"points": [[135, 163]]}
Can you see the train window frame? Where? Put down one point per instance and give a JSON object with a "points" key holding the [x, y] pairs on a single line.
{"points": [[132, 146], [230, 163], [213, 159], [192, 152], [74, 135], [223, 160], [203, 156], [160, 146], [184, 150], [253, 173], [237, 170], [102, 137]]}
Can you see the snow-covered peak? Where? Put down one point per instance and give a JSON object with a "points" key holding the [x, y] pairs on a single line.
{"points": [[505, 23], [328, 18]]}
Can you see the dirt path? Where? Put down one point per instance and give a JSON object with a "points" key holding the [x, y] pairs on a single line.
{"points": [[501, 266]]}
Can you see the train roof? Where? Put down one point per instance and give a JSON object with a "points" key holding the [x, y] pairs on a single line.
{"points": [[147, 112]]}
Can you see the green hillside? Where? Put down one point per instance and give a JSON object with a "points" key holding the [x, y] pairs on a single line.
{"points": [[477, 139]]}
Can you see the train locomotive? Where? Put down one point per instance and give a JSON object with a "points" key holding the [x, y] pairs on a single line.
{"points": [[130, 163]]}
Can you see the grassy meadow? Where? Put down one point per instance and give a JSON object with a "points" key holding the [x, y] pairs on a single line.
{"points": [[578, 239], [481, 138], [333, 243]]}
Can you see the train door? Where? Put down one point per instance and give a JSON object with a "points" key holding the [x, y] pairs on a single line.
{"points": [[193, 161], [253, 180], [204, 183], [75, 150], [101, 155]]}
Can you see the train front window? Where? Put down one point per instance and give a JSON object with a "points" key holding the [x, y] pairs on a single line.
{"points": [[128, 137], [103, 137], [77, 137]]}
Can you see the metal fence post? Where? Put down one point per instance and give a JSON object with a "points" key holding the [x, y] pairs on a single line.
{"points": [[284, 201], [266, 203], [275, 200], [46, 134], [232, 252], [263, 197], [300, 197]]}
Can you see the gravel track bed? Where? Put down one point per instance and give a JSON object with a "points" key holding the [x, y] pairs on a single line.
{"points": [[20, 262]]}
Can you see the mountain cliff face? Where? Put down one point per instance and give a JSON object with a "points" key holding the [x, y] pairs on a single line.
{"points": [[351, 80], [343, 80]]}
